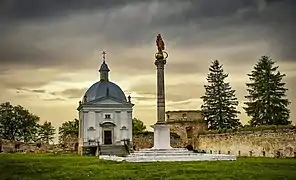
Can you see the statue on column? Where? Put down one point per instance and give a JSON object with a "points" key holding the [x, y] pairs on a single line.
{"points": [[161, 47], [160, 44]]}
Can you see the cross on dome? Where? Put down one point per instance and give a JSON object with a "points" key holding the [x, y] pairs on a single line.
{"points": [[104, 55]]}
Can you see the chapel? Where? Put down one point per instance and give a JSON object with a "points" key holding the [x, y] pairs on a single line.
{"points": [[105, 117]]}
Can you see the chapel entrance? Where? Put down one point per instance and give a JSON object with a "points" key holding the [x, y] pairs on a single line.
{"points": [[107, 137], [92, 151]]}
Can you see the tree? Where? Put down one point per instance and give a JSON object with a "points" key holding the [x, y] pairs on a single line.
{"points": [[17, 123], [267, 104], [68, 130], [46, 132], [219, 102], [138, 126]]}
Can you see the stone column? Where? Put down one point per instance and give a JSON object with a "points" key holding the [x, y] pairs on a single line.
{"points": [[161, 129], [160, 62]]}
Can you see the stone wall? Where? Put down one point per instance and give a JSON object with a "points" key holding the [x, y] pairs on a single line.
{"points": [[7, 146], [14, 146], [187, 124], [187, 131], [145, 140], [184, 115], [269, 143]]}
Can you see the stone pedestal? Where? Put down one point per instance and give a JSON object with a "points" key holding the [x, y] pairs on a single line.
{"points": [[161, 136]]}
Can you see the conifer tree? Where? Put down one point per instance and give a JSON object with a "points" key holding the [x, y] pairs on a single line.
{"points": [[267, 104], [219, 102]]}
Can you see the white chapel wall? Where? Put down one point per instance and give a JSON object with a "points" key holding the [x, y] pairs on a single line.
{"points": [[85, 125], [130, 126]]}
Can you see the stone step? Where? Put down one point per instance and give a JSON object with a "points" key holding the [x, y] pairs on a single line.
{"points": [[163, 154], [175, 150], [177, 158], [152, 155], [113, 150], [166, 152], [170, 158]]}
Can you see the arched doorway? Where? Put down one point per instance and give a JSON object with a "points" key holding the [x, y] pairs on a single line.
{"points": [[108, 132]]}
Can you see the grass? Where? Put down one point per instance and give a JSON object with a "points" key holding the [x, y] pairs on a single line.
{"points": [[42, 167]]}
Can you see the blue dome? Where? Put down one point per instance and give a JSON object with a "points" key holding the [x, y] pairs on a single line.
{"points": [[104, 89]]}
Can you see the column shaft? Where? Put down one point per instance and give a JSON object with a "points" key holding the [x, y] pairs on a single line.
{"points": [[160, 90]]}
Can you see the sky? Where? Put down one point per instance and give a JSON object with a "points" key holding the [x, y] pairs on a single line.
{"points": [[50, 51]]}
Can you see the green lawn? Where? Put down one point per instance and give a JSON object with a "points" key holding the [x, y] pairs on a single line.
{"points": [[42, 167]]}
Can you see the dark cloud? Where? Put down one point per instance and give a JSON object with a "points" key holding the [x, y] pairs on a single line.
{"points": [[66, 33], [35, 9]]}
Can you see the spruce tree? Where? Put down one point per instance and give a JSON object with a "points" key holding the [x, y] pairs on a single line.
{"points": [[267, 104], [219, 102]]}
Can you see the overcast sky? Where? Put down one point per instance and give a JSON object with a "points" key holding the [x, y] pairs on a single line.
{"points": [[50, 51]]}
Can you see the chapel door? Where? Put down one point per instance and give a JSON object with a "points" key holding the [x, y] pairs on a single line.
{"points": [[107, 137]]}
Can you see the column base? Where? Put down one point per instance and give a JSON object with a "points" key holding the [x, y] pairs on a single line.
{"points": [[162, 139]]}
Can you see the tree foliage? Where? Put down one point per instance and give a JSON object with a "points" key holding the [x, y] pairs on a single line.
{"points": [[267, 104], [17, 123], [138, 126], [219, 102], [46, 132], [68, 129]]}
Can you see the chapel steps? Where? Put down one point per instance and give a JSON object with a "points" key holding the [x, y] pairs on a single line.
{"points": [[118, 150]]}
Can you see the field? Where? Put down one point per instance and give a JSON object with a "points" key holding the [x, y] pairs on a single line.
{"points": [[42, 167]]}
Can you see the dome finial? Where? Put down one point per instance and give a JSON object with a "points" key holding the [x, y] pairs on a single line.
{"points": [[104, 68]]}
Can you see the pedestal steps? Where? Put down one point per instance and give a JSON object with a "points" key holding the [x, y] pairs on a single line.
{"points": [[153, 155], [178, 158]]}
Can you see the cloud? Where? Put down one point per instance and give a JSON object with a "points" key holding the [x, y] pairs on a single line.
{"points": [[31, 90], [174, 93], [70, 34], [26, 79], [71, 93], [54, 99], [38, 9]]}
